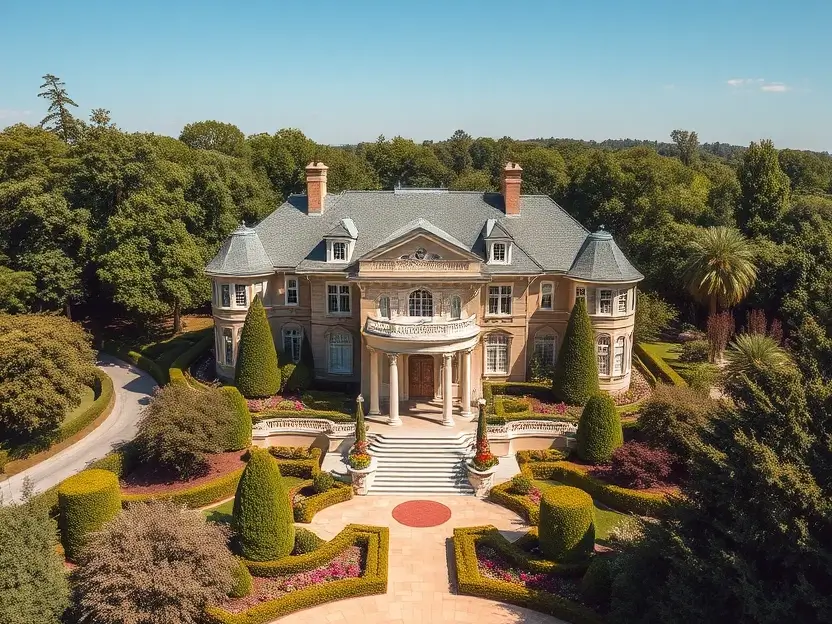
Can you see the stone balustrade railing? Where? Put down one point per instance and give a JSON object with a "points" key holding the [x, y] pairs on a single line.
{"points": [[442, 329], [519, 428], [415, 265], [331, 429]]}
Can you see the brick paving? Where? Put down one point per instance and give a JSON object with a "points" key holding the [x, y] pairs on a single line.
{"points": [[420, 587]]}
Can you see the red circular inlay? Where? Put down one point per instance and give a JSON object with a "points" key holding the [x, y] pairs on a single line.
{"points": [[421, 513]]}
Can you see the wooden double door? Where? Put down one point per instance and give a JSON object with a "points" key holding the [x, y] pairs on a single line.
{"points": [[420, 377]]}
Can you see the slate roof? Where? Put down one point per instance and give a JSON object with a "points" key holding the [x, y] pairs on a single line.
{"points": [[345, 229], [600, 260], [546, 238], [242, 253]]}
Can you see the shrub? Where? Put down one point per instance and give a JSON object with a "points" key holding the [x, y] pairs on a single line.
{"points": [[291, 452], [306, 541], [322, 482], [243, 583], [4, 459], [657, 367], [257, 373], [295, 377], [515, 405], [599, 430], [236, 433], [575, 378], [567, 524], [179, 367], [484, 459], [33, 582], [672, 417], [653, 315], [702, 377], [194, 497], [521, 484], [155, 562], [720, 330], [45, 363], [540, 455], [306, 508], [86, 502], [296, 461], [640, 466], [596, 584], [262, 515], [695, 351]]}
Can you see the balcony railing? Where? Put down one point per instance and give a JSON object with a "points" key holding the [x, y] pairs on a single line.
{"points": [[423, 329]]}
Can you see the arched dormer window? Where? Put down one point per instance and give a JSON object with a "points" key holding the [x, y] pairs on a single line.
{"points": [[384, 307], [420, 303], [456, 308], [602, 349]]}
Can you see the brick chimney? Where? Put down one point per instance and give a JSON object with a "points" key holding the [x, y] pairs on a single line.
{"points": [[510, 180], [315, 187]]}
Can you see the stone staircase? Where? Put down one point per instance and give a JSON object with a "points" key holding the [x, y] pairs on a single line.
{"points": [[421, 465]]}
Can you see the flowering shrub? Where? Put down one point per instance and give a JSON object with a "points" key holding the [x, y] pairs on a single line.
{"points": [[359, 461], [534, 495], [637, 465], [521, 484], [540, 455], [484, 461], [276, 402], [492, 564], [541, 407]]}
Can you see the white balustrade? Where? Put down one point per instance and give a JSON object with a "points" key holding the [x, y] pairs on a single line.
{"points": [[414, 265], [272, 426], [442, 329], [520, 428]]}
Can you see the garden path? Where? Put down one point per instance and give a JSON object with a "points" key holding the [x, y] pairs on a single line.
{"points": [[420, 583], [132, 389]]}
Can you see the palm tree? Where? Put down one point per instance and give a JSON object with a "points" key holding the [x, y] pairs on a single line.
{"points": [[750, 351], [721, 268]]}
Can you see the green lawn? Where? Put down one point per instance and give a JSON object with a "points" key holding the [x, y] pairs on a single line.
{"points": [[87, 399], [670, 352], [222, 513], [605, 518]]}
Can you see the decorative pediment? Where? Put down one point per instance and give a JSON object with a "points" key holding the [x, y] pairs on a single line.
{"points": [[421, 238]]}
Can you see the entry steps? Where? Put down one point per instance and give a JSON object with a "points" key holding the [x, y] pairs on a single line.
{"points": [[421, 465]]}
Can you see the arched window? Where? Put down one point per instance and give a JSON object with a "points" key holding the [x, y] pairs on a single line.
{"points": [[496, 354], [339, 353], [456, 308], [546, 346], [292, 338], [603, 352], [420, 303], [618, 357], [384, 307]]}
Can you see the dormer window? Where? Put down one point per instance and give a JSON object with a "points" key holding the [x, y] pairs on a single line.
{"points": [[340, 241], [498, 252], [339, 251]]}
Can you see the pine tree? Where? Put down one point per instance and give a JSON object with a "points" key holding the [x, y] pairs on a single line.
{"points": [[575, 379], [58, 118], [257, 373]]}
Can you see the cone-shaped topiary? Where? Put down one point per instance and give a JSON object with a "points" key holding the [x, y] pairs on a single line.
{"points": [[484, 459], [566, 529], [575, 378], [599, 430], [237, 433], [86, 502], [262, 516], [360, 426], [257, 373]]}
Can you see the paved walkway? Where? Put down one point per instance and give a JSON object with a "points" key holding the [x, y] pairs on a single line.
{"points": [[132, 387], [420, 583]]}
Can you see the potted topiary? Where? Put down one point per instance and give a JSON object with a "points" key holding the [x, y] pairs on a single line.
{"points": [[360, 464], [483, 465]]}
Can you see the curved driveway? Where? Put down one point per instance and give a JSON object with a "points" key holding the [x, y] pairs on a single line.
{"points": [[132, 389]]}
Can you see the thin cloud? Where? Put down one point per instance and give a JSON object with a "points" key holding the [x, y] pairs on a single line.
{"points": [[744, 82], [757, 83], [775, 87]]}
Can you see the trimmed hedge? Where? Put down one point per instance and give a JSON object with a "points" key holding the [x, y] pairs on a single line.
{"points": [[566, 528], [238, 435], [546, 455], [575, 378], [86, 501], [136, 359], [306, 413], [198, 496], [615, 497], [596, 585], [599, 430], [472, 583], [522, 506], [243, 583], [301, 468], [649, 376], [536, 389], [306, 509], [115, 461], [660, 369], [262, 515], [373, 581], [178, 371], [257, 373], [306, 541]]}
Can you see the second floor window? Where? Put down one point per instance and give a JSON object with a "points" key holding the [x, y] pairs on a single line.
{"points": [[498, 252], [546, 295], [338, 298], [384, 307], [291, 291], [420, 303], [603, 352], [225, 295], [240, 294], [622, 301], [580, 294], [499, 300], [339, 251], [605, 302], [456, 308], [292, 338]]}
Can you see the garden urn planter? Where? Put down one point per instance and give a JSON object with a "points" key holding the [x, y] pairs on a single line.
{"points": [[481, 480], [362, 480]]}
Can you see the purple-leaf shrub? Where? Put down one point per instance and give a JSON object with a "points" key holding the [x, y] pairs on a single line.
{"points": [[637, 465]]}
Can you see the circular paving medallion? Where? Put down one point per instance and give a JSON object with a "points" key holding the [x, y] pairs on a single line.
{"points": [[421, 513]]}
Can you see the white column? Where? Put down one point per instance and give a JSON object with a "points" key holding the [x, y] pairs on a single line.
{"points": [[374, 411], [465, 399], [447, 390], [394, 420]]}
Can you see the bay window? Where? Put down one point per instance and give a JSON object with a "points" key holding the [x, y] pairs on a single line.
{"points": [[605, 302], [240, 297]]}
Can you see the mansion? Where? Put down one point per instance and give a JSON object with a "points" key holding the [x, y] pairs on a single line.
{"points": [[424, 293]]}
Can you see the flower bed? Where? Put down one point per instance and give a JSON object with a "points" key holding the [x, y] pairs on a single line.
{"points": [[311, 402], [639, 390], [373, 542], [524, 505], [306, 502], [489, 566]]}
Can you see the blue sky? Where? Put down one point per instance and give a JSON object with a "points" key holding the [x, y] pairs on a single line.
{"points": [[349, 70]]}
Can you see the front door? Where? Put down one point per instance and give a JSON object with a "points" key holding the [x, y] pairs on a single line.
{"points": [[421, 376]]}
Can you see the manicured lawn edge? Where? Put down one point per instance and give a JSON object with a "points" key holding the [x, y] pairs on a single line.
{"points": [[78, 428], [615, 497], [136, 359], [373, 581], [306, 509], [660, 369], [501, 494], [301, 468], [472, 583], [198, 496]]}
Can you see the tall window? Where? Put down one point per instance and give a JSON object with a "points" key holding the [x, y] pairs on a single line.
{"points": [[339, 251], [603, 351], [338, 298], [228, 343], [292, 338], [291, 291], [499, 299], [546, 347], [622, 301], [456, 308], [546, 294], [498, 252], [339, 357], [605, 302], [496, 354], [240, 294], [225, 295], [384, 307], [420, 303], [618, 357], [580, 293]]}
